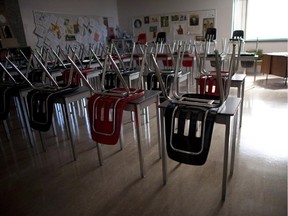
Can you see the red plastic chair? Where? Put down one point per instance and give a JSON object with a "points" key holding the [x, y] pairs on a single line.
{"points": [[208, 85], [105, 108], [187, 63], [105, 115], [75, 79], [142, 39]]}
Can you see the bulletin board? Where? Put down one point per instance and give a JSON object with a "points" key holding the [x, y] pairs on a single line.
{"points": [[55, 30], [178, 26]]}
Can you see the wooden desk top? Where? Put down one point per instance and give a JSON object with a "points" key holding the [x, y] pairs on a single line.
{"points": [[284, 54]]}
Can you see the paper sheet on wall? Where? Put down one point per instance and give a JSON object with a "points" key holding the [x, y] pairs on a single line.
{"points": [[40, 31], [53, 29], [165, 22], [53, 19], [40, 42]]}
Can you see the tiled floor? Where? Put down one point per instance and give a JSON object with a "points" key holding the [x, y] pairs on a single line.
{"points": [[33, 182]]}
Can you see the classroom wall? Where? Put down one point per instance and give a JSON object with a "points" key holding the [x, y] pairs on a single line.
{"points": [[128, 9], [10, 8], [124, 10], [107, 8]]}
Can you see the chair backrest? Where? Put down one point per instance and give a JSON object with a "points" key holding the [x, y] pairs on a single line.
{"points": [[237, 34], [210, 34], [142, 39], [161, 37], [110, 62], [189, 121]]}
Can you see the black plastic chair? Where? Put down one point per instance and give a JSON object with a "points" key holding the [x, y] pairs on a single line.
{"points": [[189, 143], [41, 98], [161, 37], [210, 34], [237, 34]]}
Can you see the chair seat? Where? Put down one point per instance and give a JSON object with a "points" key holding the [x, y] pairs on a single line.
{"points": [[105, 115]]}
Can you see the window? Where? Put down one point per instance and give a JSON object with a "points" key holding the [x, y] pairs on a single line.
{"points": [[261, 20]]}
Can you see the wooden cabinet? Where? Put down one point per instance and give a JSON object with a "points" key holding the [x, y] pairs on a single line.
{"points": [[275, 63]]}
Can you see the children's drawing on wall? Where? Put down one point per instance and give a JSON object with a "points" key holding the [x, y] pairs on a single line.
{"points": [[154, 19], [207, 23], [194, 24], [182, 17], [174, 18], [69, 31], [59, 30], [165, 21], [146, 20], [194, 20], [179, 30], [153, 31], [137, 23], [56, 29], [178, 26]]}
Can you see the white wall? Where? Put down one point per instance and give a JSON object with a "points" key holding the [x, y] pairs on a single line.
{"points": [[280, 46], [128, 9], [106, 8], [131, 8]]}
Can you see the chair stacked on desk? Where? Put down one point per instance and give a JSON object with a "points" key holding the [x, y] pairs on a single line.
{"points": [[124, 63], [166, 55], [39, 98], [11, 84], [247, 59], [207, 80], [188, 120], [105, 108]]}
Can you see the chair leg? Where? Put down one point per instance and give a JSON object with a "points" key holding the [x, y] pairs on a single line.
{"points": [[122, 137], [99, 152], [6, 128], [67, 122], [54, 127], [42, 142], [18, 110]]}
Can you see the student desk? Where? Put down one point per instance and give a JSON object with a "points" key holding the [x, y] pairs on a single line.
{"points": [[188, 59], [149, 97], [249, 60], [237, 81], [227, 115], [81, 93], [275, 63]]}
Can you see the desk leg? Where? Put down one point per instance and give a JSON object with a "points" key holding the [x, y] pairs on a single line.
{"points": [[158, 127], [24, 109], [6, 128], [138, 129], [163, 143], [226, 155], [234, 138], [66, 110], [242, 101], [255, 69]]}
